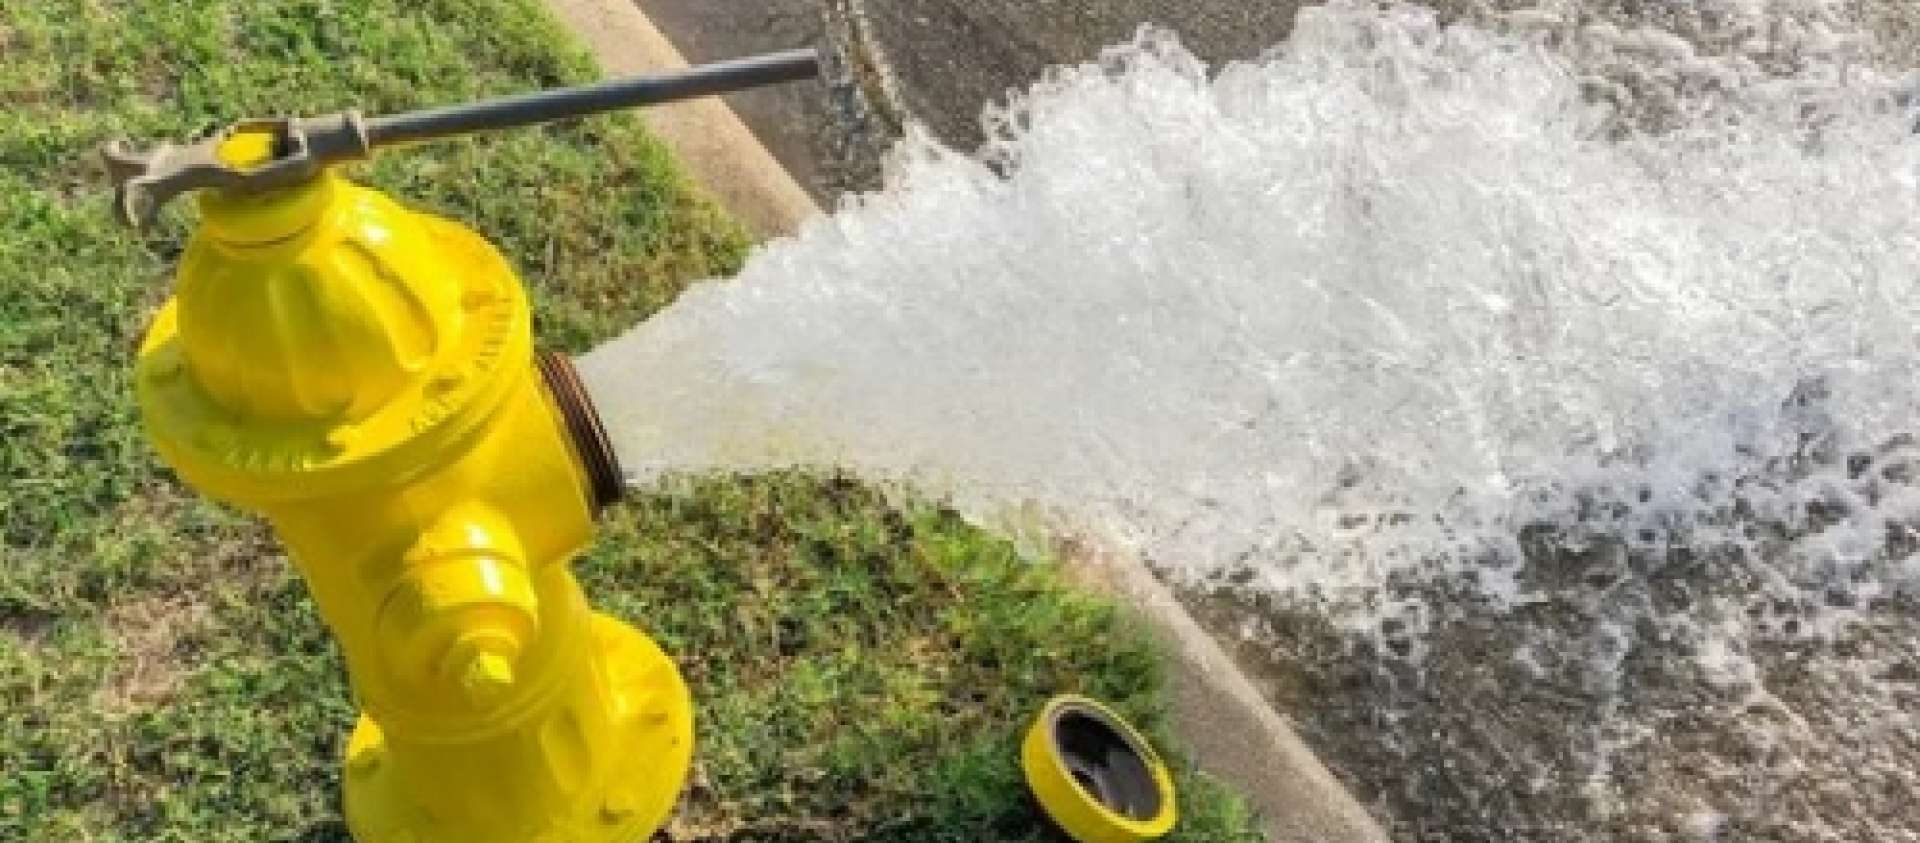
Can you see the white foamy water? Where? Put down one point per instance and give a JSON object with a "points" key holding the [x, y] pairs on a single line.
{"points": [[1379, 310]]}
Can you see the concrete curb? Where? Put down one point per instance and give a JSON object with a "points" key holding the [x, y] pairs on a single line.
{"points": [[1227, 728], [720, 153]]}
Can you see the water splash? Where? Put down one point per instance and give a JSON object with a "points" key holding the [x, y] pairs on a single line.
{"points": [[1402, 325]]}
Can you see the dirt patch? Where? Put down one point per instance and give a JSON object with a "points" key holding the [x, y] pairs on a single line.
{"points": [[26, 629], [150, 637], [702, 819]]}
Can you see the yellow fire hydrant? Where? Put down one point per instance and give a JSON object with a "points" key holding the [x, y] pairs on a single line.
{"points": [[364, 376]]}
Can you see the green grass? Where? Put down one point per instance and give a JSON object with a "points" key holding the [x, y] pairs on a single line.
{"points": [[862, 670]]}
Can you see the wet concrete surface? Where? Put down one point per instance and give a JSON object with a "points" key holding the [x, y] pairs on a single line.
{"points": [[939, 62]]}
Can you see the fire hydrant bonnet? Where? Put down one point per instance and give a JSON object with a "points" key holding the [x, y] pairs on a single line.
{"points": [[373, 334]]}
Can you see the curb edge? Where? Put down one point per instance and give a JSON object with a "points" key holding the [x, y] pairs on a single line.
{"points": [[721, 154]]}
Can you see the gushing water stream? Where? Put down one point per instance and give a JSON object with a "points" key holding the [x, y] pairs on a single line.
{"points": [[1590, 340]]}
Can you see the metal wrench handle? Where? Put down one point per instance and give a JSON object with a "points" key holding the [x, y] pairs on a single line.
{"points": [[305, 146], [559, 103]]}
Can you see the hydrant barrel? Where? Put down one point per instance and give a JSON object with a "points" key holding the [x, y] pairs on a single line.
{"points": [[364, 377]]}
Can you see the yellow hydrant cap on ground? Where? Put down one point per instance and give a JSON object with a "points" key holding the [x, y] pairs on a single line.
{"points": [[1096, 776]]}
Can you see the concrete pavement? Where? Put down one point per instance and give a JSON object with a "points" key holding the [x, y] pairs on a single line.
{"points": [[943, 60]]}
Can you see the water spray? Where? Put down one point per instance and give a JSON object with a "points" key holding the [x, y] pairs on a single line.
{"points": [[1341, 333]]}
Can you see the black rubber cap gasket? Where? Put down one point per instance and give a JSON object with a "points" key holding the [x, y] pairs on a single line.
{"points": [[1106, 763]]}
